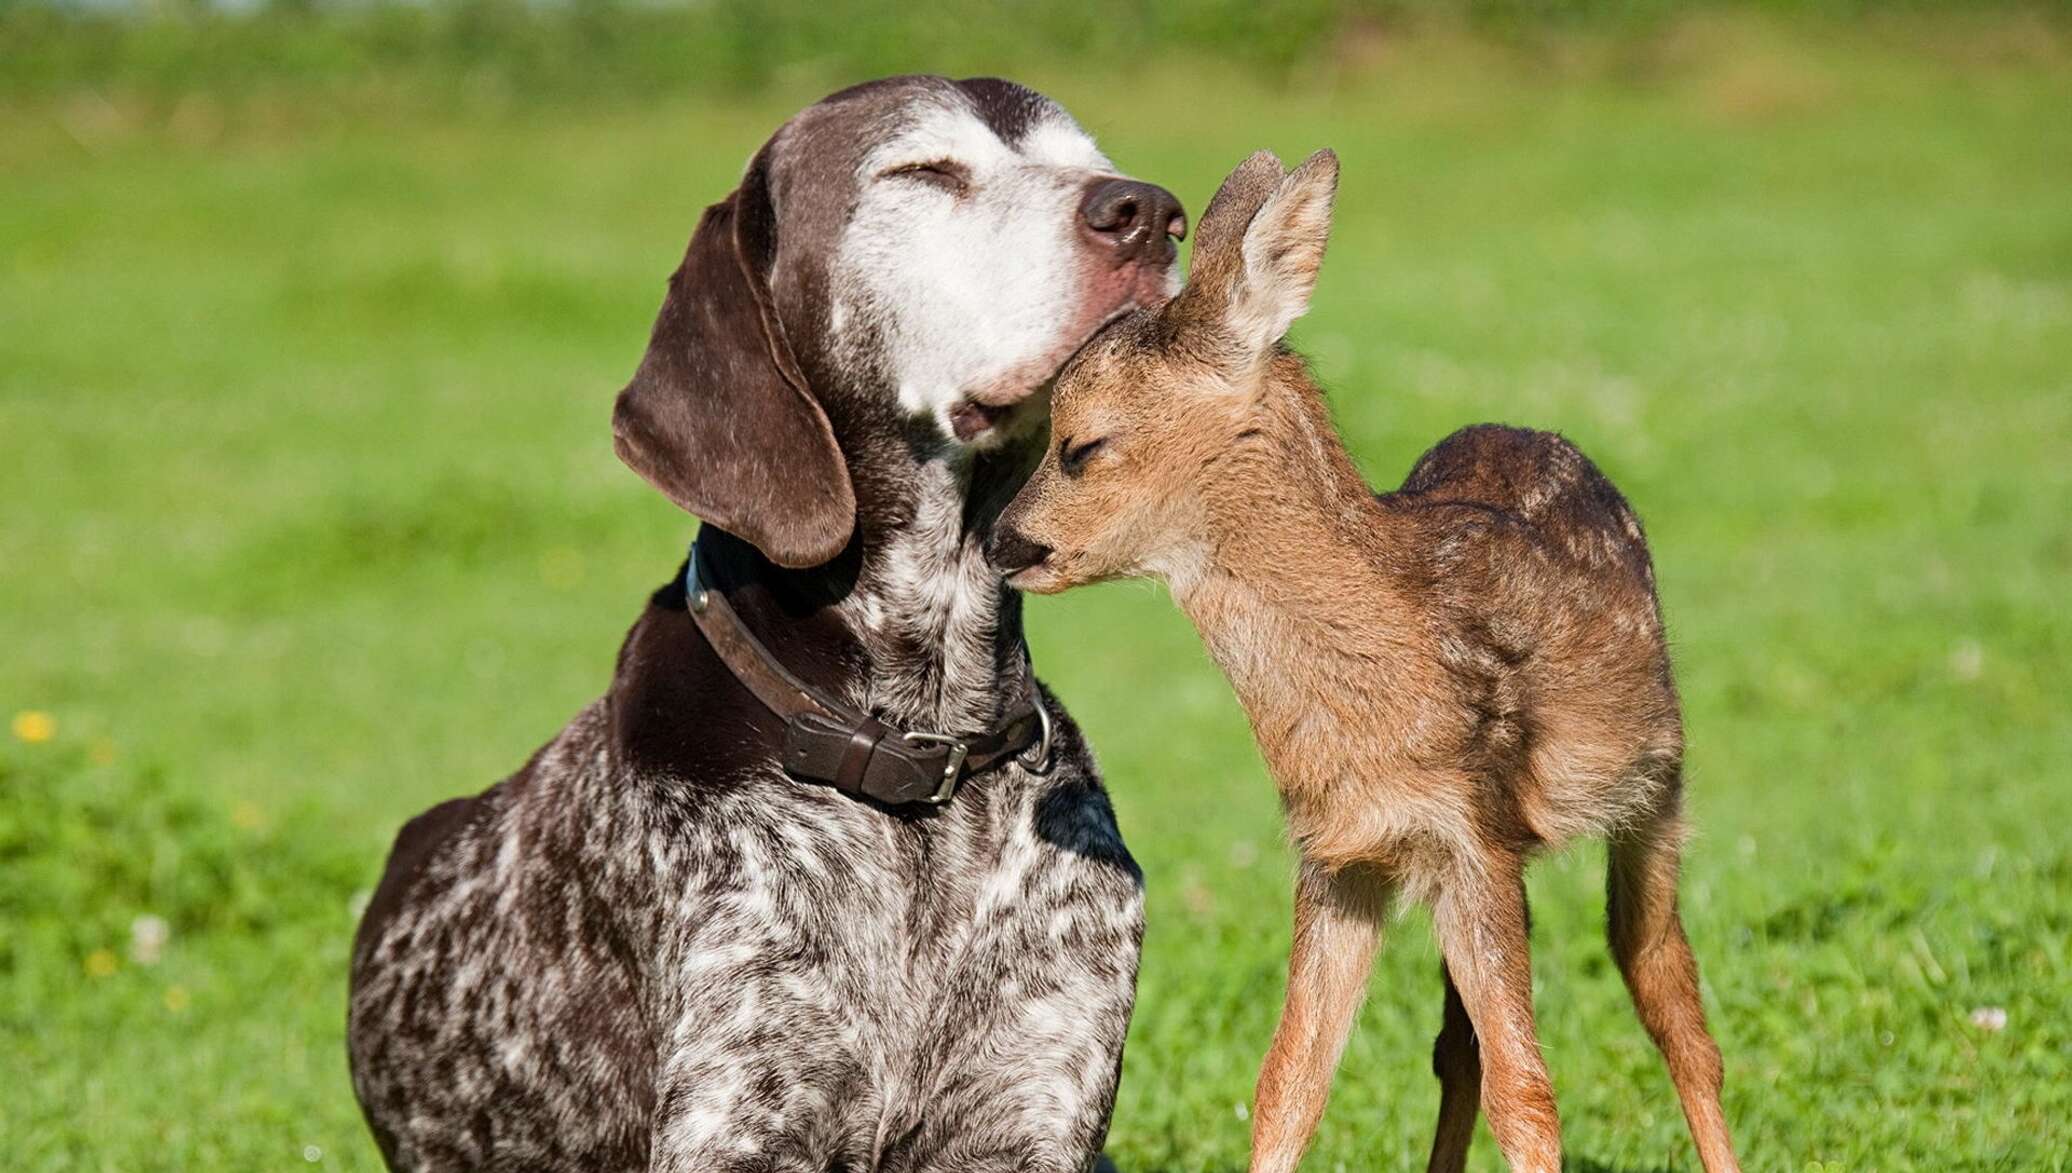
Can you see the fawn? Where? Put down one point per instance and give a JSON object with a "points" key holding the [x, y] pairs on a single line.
{"points": [[1442, 680]]}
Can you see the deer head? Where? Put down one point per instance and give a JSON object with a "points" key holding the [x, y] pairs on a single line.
{"points": [[1167, 412]]}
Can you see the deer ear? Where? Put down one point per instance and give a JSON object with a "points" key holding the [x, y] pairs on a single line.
{"points": [[719, 417], [1219, 239], [1259, 284], [1283, 249]]}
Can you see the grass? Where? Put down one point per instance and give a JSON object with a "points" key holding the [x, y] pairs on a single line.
{"points": [[309, 519]]}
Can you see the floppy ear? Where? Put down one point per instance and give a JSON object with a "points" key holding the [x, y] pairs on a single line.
{"points": [[1260, 245], [718, 417]]}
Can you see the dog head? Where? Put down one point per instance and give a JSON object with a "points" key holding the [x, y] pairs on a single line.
{"points": [[917, 250], [1145, 419]]}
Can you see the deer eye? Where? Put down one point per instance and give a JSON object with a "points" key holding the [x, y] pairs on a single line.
{"points": [[1073, 453], [947, 174]]}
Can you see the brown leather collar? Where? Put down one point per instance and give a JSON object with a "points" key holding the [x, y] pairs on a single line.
{"points": [[831, 742]]}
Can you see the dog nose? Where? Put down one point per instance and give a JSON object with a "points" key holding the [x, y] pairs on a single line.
{"points": [[1140, 221], [1010, 551]]}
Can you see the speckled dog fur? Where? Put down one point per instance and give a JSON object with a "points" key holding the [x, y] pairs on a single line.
{"points": [[652, 949]]}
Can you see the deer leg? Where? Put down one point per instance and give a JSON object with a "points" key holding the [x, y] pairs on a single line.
{"points": [[1647, 940], [1337, 921], [1457, 1063], [1482, 925]]}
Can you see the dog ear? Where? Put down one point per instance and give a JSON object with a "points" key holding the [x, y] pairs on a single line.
{"points": [[1259, 247], [719, 417]]}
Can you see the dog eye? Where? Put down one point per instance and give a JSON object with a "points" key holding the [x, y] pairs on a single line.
{"points": [[1073, 454], [950, 176]]}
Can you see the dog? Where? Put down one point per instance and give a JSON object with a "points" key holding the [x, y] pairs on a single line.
{"points": [[825, 881]]}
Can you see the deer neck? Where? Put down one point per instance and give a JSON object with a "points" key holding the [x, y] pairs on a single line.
{"points": [[1291, 589]]}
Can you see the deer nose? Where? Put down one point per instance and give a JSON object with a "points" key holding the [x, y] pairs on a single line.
{"points": [[1139, 221], [1012, 552]]}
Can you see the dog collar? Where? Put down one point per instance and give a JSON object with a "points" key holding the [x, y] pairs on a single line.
{"points": [[835, 744]]}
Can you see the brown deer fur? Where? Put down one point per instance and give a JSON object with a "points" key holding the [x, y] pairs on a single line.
{"points": [[1443, 679]]}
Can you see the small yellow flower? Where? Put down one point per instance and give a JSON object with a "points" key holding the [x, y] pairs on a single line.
{"points": [[101, 752], [247, 816], [101, 963], [35, 725], [176, 998]]}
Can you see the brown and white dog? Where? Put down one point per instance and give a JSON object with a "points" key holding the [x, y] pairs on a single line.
{"points": [[652, 948]]}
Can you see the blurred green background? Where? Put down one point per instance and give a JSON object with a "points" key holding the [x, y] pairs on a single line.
{"points": [[310, 319]]}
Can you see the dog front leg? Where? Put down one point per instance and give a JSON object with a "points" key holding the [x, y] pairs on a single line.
{"points": [[1337, 921], [783, 1098], [1025, 1040]]}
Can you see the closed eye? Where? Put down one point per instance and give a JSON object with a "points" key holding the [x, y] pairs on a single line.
{"points": [[947, 174], [1073, 453]]}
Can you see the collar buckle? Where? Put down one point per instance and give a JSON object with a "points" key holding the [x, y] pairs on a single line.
{"points": [[833, 743], [952, 763]]}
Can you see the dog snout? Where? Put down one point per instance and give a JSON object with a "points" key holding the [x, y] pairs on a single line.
{"points": [[1012, 551], [1140, 221]]}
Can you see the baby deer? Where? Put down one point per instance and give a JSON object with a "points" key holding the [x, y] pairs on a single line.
{"points": [[1443, 679]]}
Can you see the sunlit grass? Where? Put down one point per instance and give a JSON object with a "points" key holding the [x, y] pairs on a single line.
{"points": [[309, 518]]}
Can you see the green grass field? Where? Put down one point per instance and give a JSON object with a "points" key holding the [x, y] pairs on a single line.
{"points": [[309, 518]]}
